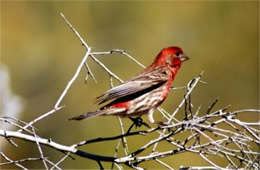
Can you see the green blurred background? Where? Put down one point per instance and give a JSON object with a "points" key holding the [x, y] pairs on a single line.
{"points": [[42, 54]]}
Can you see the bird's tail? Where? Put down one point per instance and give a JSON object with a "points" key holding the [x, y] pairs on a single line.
{"points": [[100, 112], [88, 115]]}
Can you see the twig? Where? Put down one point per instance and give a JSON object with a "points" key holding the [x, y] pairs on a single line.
{"points": [[39, 148], [39, 118], [191, 85], [89, 72], [114, 137], [60, 161], [73, 78], [116, 152], [210, 162], [17, 163], [5, 119], [123, 52], [124, 142], [10, 140], [164, 164], [55, 145]]}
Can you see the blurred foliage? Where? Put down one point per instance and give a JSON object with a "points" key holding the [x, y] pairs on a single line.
{"points": [[42, 54]]}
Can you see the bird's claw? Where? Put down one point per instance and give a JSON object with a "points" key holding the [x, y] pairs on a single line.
{"points": [[138, 122]]}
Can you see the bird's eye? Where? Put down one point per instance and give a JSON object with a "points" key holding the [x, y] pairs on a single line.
{"points": [[177, 54]]}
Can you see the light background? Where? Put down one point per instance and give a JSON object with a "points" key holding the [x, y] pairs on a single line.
{"points": [[42, 54]]}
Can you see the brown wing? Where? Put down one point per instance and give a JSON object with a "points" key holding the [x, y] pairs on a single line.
{"points": [[142, 83]]}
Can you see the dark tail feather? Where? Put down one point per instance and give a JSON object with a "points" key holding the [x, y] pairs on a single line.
{"points": [[88, 115]]}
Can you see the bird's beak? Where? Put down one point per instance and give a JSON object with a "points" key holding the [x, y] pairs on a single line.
{"points": [[184, 57]]}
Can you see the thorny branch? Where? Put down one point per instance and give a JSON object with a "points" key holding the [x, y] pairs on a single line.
{"points": [[209, 135]]}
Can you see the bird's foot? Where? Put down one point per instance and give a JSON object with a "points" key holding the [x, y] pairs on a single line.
{"points": [[137, 122]]}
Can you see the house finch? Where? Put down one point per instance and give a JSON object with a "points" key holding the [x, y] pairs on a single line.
{"points": [[144, 92]]}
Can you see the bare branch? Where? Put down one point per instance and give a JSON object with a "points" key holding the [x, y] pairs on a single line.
{"points": [[17, 163], [39, 118], [57, 146], [39, 148], [73, 79], [89, 72]]}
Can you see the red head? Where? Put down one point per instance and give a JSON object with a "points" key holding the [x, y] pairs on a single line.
{"points": [[172, 56]]}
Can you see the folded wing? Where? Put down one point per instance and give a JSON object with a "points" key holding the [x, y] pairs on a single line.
{"points": [[142, 83]]}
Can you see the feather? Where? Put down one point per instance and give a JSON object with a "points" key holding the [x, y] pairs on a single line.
{"points": [[99, 112], [139, 84]]}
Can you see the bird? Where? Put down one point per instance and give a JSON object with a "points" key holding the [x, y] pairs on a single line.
{"points": [[143, 93]]}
